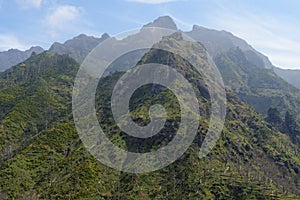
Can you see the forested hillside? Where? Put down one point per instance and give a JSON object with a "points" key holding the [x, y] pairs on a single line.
{"points": [[42, 156]]}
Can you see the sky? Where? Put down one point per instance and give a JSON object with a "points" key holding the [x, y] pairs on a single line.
{"points": [[270, 26]]}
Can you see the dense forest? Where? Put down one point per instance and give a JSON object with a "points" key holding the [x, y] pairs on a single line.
{"points": [[42, 156]]}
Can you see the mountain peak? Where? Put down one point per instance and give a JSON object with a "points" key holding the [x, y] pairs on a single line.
{"points": [[12, 57], [163, 22], [82, 35], [78, 47], [196, 27], [104, 36], [36, 49], [217, 41]]}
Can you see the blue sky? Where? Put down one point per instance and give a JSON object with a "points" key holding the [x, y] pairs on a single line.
{"points": [[270, 26]]}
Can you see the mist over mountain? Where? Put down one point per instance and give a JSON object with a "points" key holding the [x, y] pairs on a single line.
{"points": [[14, 56]]}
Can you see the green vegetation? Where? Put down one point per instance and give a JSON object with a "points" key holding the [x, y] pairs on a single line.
{"points": [[43, 157], [256, 85], [34, 95], [288, 125]]}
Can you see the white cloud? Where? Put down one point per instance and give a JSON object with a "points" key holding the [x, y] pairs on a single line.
{"points": [[9, 41], [151, 1], [276, 38], [27, 4], [62, 16]]}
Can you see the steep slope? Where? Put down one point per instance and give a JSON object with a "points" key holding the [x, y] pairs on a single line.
{"points": [[78, 47], [259, 87], [217, 42], [163, 22], [34, 95], [245, 71], [14, 56], [291, 76], [252, 160]]}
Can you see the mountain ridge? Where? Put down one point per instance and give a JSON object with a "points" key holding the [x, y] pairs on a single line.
{"points": [[78, 47], [12, 57], [218, 43], [251, 159], [163, 22]]}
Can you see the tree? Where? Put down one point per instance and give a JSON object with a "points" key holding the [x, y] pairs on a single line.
{"points": [[275, 119], [290, 122], [292, 126]]}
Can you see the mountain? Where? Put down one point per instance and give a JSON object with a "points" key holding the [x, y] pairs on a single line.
{"points": [[249, 73], [252, 79], [43, 157], [259, 87], [163, 22], [34, 95], [14, 56], [78, 47], [245, 71], [217, 42], [289, 75]]}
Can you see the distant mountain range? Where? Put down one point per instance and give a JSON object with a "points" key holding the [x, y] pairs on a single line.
{"points": [[78, 47], [245, 71], [14, 56], [216, 42], [292, 76]]}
